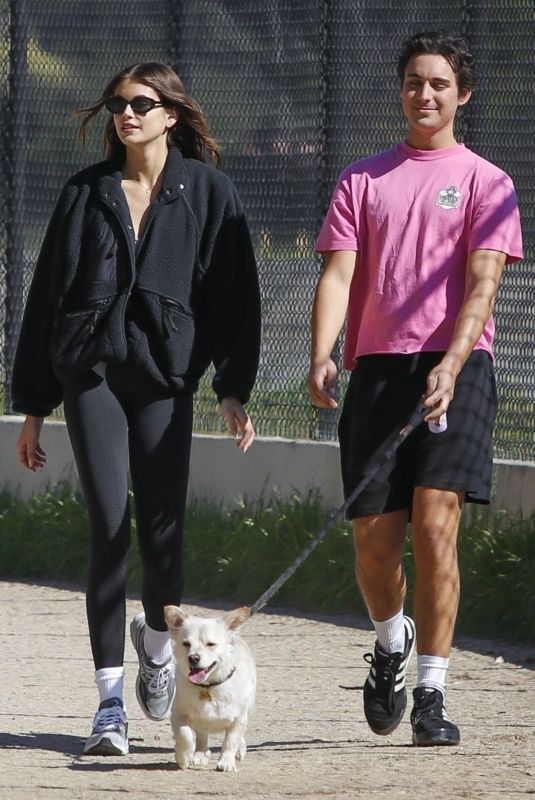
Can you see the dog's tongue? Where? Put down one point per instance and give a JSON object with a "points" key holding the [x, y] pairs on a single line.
{"points": [[197, 675]]}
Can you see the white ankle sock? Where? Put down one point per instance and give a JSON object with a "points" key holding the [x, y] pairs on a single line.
{"points": [[391, 633], [110, 682], [432, 672], [157, 645]]}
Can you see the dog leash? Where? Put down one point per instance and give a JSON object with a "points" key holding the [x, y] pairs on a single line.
{"points": [[379, 458]]}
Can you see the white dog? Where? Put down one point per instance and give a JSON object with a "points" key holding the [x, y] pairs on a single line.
{"points": [[215, 686]]}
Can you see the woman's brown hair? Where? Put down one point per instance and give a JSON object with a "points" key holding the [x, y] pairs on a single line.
{"points": [[190, 134]]}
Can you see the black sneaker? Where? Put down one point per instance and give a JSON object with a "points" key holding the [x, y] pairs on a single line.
{"points": [[385, 698], [430, 723]]}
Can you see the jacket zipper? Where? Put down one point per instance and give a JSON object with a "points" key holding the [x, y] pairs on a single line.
{"points": [[169, 306], [92, 322], [130, 243]]}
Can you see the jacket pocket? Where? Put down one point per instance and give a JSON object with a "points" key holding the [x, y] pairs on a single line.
{"points": [[78, 338], [80, 324], [178, 333]]}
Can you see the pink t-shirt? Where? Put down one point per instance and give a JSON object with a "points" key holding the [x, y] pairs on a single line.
{"points": [[414, 216]]}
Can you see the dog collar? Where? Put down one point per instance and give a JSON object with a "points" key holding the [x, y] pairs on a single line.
{"points": [[217, 683]]}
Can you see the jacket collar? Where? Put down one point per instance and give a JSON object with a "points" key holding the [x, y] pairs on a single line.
{"points": [[174, 179]]}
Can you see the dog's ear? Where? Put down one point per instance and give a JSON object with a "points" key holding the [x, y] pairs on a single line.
{"points": [[237, 617], [174, 616]]}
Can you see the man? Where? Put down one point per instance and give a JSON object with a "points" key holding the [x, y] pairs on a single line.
{"points": [[415, 241]]}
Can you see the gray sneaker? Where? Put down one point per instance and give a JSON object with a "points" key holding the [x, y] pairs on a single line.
{"points": [[155, 684], [109, 733]]}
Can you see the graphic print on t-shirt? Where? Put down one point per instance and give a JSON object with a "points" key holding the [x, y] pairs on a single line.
{"points": [[449, 198]]}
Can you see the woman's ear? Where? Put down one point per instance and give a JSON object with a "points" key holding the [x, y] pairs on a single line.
{"points": [[172, 117]]}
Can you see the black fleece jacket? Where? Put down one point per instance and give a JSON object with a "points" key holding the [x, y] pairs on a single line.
{"points": [[184, 296]]}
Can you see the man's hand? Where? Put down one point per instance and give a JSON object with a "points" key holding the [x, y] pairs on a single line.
{"points": [[439, 392], [29, 452], [238, 422], [322, 383]]}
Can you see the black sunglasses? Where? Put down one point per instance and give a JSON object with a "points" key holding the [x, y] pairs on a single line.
{"points": [[139, 105]]}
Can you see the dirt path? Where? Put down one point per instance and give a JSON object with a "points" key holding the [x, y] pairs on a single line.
{"points": [[306, 740]]}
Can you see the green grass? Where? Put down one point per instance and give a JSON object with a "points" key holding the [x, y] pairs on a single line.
{"points": [[235, 555], [497, 562]]}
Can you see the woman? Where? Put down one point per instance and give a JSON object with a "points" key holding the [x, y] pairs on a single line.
{"points": [[145, 276]]}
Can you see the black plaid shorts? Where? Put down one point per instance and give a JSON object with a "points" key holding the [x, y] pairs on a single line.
{"points": [[383, 390]]}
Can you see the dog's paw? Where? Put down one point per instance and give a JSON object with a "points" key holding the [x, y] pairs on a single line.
{"points": [[227, 763], [200, 758], [183, 760]]}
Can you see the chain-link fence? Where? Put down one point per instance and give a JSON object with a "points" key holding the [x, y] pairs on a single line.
{"points": [[294, 90]]}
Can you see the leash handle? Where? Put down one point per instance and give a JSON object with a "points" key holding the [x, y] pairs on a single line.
{"points": [[380, 457]]}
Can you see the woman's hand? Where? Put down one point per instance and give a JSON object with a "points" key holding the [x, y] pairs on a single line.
{"points": [[29, 452], [238, 422]]}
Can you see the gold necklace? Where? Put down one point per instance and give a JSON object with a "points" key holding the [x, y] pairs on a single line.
{"points": [[147, 189]]}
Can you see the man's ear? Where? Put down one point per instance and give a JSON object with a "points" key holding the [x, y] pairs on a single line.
{"points": [[464, 96]]}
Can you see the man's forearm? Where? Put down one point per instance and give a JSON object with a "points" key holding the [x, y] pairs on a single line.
{"points": [[484, 275], [330, 303], [328, 315]]}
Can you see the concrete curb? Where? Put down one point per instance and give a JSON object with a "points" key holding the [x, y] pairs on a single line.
{"points": [[221, 474]]}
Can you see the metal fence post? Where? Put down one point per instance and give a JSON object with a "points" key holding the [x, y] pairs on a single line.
{"points": [[16, 175], [327, 418]]}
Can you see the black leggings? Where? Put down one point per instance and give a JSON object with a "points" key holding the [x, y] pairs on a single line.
{"points": [[116, 420]]}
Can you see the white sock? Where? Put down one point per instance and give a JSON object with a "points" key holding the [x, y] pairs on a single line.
{"points": [[110, 683], [432, 672], [157, 645], [391, 633]]}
